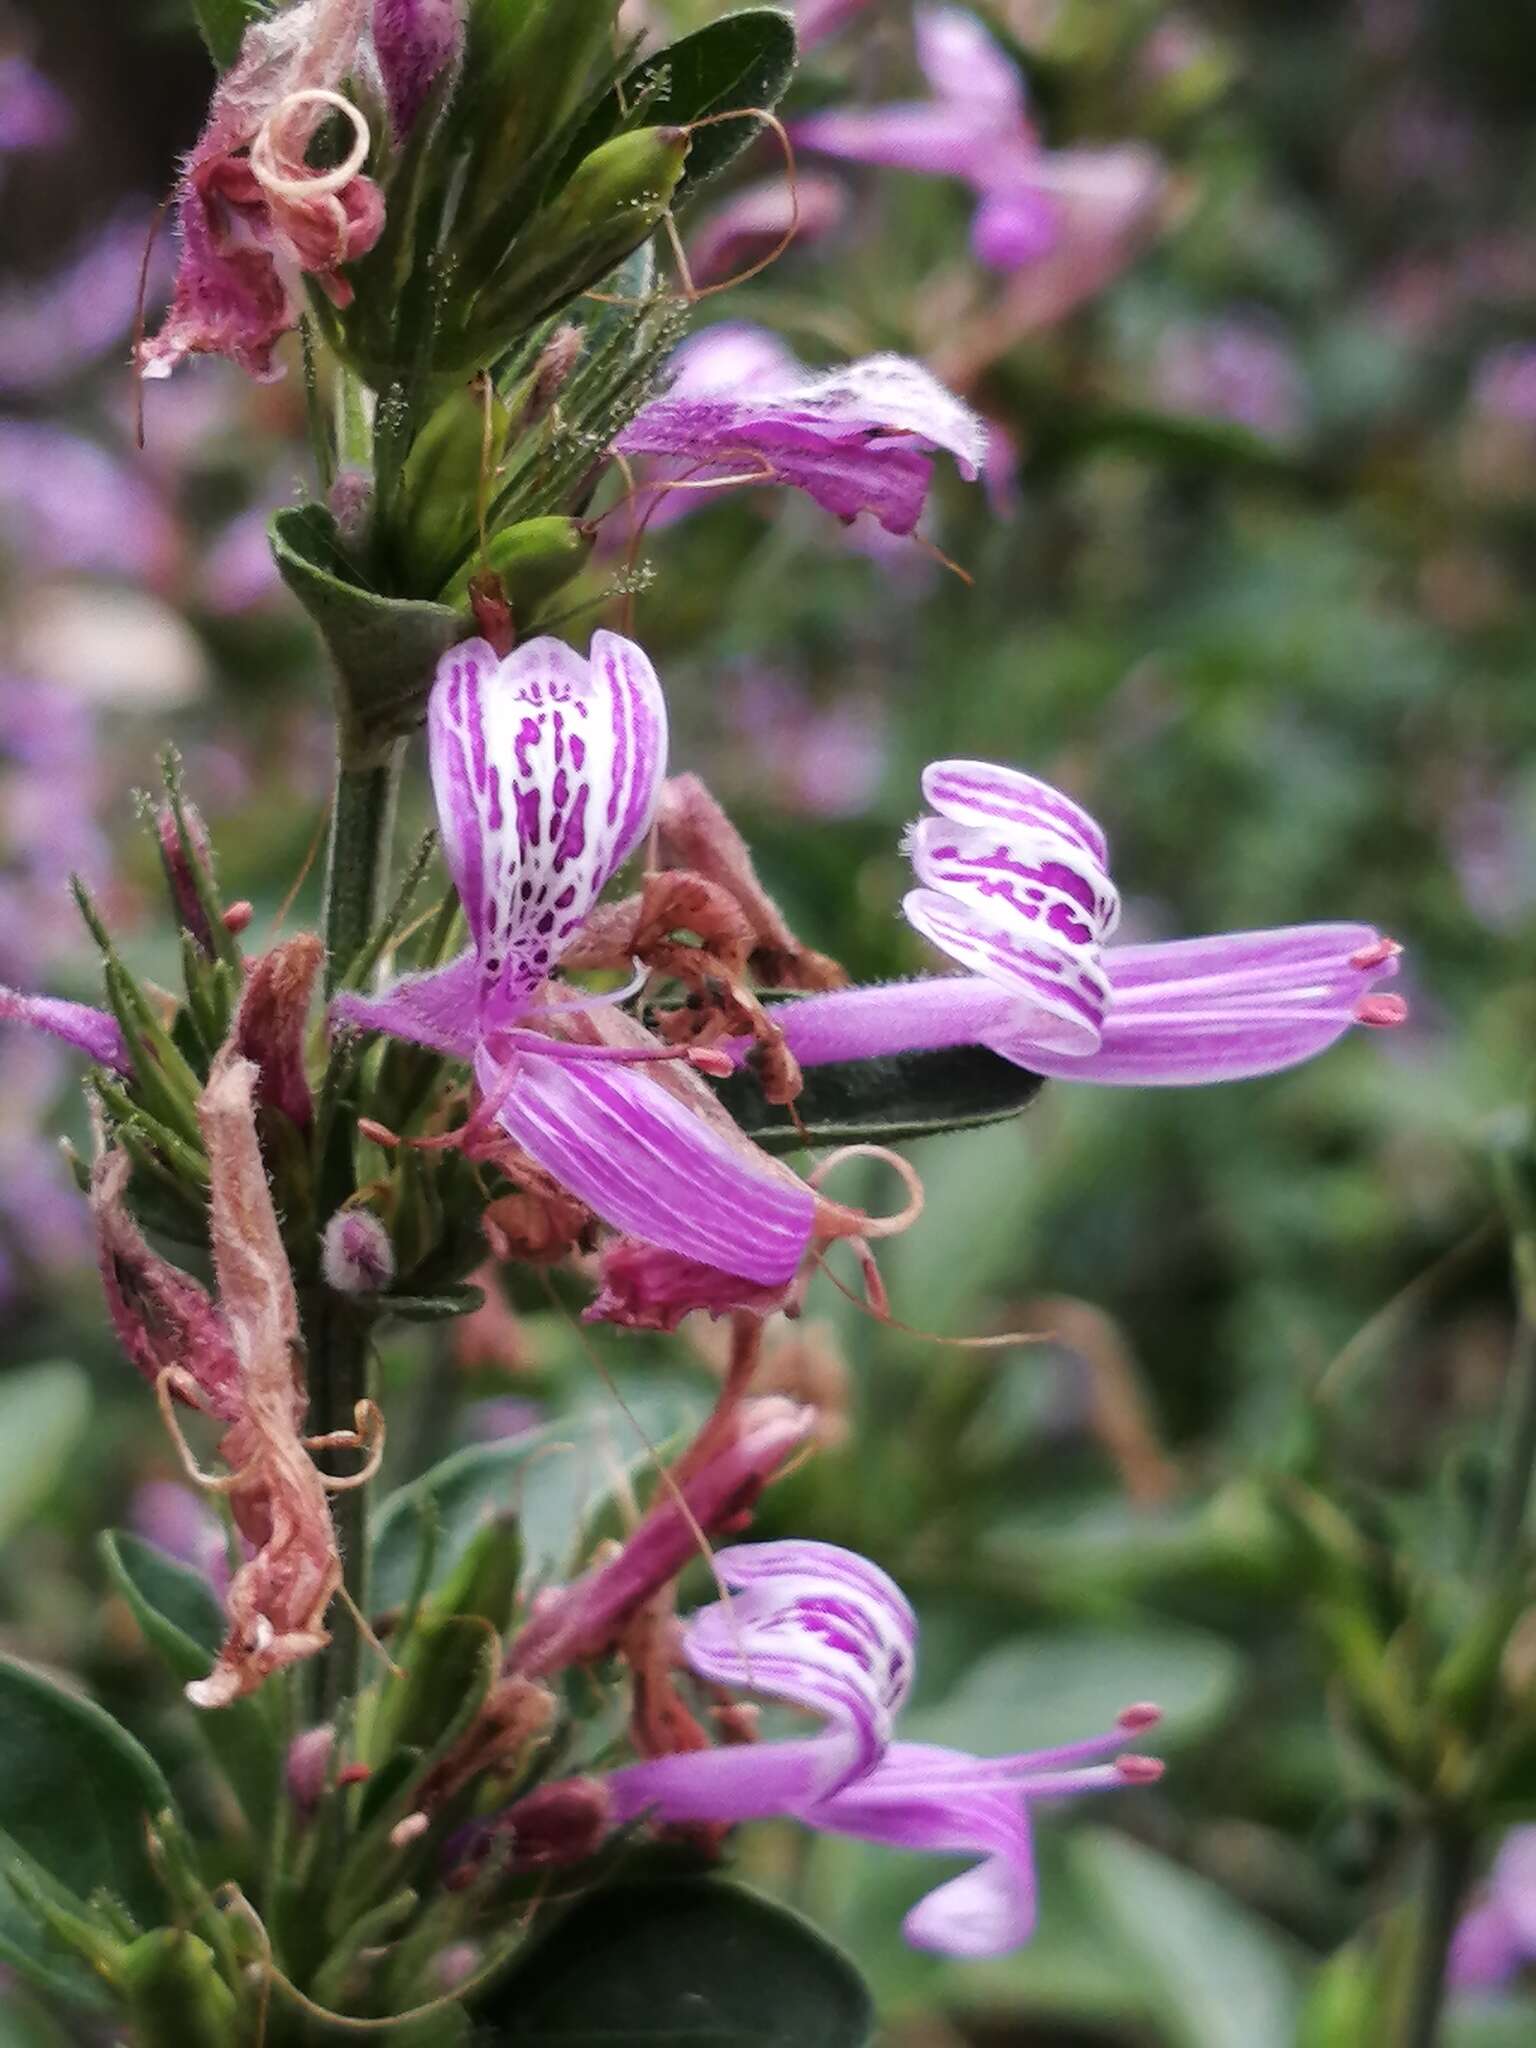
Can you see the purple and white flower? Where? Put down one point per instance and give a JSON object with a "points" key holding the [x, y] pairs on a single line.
{"points": [[547, 768], [856, 439], [976, 127], [1014, 887], [822, 1629]]}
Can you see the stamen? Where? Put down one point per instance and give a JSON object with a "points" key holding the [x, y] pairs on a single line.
{"points": [[1376, 955], [1382, 1012]]}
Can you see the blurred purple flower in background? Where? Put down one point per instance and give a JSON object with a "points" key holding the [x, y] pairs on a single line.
{"points": [[53, 327], [817, 20], [1496, 1940], [822, 760], [43, 1226], [753, 224], [975, 127], [33, 113], [180, 1522], [1238, 368], [67, 504]]}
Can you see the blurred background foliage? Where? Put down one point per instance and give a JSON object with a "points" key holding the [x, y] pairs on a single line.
{"points": [[1257, 592]]}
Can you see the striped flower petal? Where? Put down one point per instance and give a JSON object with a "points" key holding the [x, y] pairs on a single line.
{"points": [[648, 1166], [546, 770], [1225, 1008]]}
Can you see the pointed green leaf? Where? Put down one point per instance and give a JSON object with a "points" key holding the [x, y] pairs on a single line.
{"points": [[43, 1413], [689, 1963], [384, 650], [908, 1095], [184, 1624], [76, 1790], [1221, 1974]]}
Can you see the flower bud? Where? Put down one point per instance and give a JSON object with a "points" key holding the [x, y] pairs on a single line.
{"points": [[531, 561], [308, 1765], [610, 204], [356, 1255], [441, 487], [179, 856]]}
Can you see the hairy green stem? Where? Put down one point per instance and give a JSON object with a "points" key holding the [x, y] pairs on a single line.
{"points": [[357, 866], [338, 1340]]}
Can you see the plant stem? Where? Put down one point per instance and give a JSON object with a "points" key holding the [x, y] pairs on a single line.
{"points": [[357, 865], [1511, 1498], [1448, 1862], [338, 1339], [340, 1376]]}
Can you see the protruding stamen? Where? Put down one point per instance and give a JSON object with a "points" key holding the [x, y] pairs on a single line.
{"points": [[1382, 1012], [1375, 956]]}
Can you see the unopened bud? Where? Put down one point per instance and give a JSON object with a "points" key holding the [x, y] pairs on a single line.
{"points": [[528, 562], [558, 357], [308, 1766], [178, 858], [351, 505], [356, 1254]]}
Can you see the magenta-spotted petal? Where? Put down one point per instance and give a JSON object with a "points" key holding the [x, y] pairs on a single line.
{"points": [[96, 1033], [1225, 1008], [983, 793], [808, 1623], [439, 1009], [648, 1166], [546, 768]]}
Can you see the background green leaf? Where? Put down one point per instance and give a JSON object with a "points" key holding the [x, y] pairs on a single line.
{"points": [[1220, 1975], [43, 1413], [223, 24], [184, 1624], [695, 1962], [76, 1789]]}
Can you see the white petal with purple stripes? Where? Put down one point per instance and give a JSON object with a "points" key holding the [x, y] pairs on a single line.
{"points": [[546, 768]]}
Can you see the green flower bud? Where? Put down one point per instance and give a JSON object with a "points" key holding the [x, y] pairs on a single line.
{"points": [[532, 560], [442, 484], [612, 201]]}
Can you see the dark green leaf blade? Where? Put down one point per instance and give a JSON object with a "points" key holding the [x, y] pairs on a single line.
{"points": [[385, 650], [76, 1790], [184, 1624], [682, 1961], [907, 1095]]}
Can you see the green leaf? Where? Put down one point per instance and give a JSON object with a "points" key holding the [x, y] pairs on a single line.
{"points": [[1219, 1974], [552, 1480], [745, 60], [384, 650], [907, 1095], [692, 1962], [223, 23], [1055, 1686], [184, 1624], [43, 1413], [76, 1790]]}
